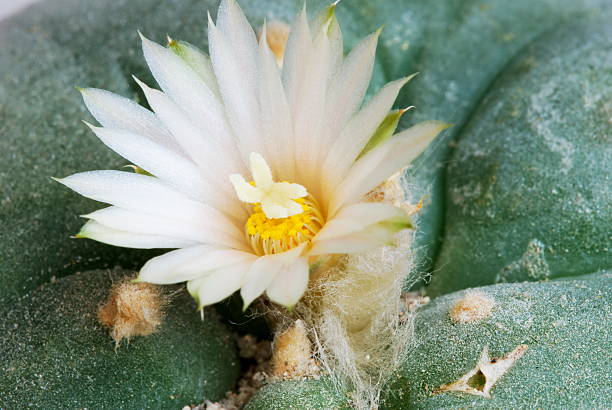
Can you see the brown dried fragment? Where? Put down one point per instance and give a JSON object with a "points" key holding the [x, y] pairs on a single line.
{"points": [[474, 306], [292, 354], [481, 379], [132, 309]]}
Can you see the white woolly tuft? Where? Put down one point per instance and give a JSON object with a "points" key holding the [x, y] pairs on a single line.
{"points": [[356, 319]]}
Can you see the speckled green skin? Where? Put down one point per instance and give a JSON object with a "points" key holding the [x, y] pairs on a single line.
{"points": [[565, 323], [298, 395], [459, 47], [529, 193], [56, 355]]}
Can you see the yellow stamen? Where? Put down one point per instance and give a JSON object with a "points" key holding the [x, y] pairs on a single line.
{"points": [[275, 235]]}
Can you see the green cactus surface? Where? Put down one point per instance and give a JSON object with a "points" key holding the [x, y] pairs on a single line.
{"points": [[55, 354], [299, 395], [528, 186], [564, 325]]}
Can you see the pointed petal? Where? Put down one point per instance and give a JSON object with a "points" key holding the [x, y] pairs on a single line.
{"points": [[355, 218], [187, 90], [201, 144], [384, 131], [235, 69], [360, 228], [170, 167], [288, 286], [297, 52], [191, 263], [355, 243], [327, 18], [264, 270], [198, 61], [277, 129], [245, 191], [234, 25], [199, 229], [114, 111], [349, 85], [382, 162], [354, 137], [219, 284], [215, 159], [307, 111], [141, 193], [98, 232]]}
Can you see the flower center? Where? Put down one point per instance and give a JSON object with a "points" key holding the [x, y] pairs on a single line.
{"points": [[275, 235]]}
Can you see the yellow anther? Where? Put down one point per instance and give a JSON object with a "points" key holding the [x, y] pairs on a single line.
{"points": [[274, 235]]}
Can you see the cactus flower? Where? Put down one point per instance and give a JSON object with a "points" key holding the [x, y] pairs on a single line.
{"points": [[249, 171]]}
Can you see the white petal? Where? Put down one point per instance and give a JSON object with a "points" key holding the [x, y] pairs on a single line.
{"points": [[145, 194], [307, 111], [289, 285], [264, 270], [219, 284], [345, 149], [199, 62], [277, 128], [355, 218], [114, 111], [209, 150], [215, 160], [191, 263], [188, 91], [355, 243], [297, 52], [234, 25], [383, 161], [216, 287], [245, 191], [349, 85], [94, 230], [170, 167], [262, 175], [235, 68], [334, 33], [199, 229]]}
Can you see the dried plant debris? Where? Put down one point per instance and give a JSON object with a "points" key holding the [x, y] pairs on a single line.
{"points": [[413, 301], [132, 309], [481, 379], [292, 354], [472, 307]]}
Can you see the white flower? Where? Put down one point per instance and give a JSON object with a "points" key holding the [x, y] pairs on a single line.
{"points": [[235, 114]]}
